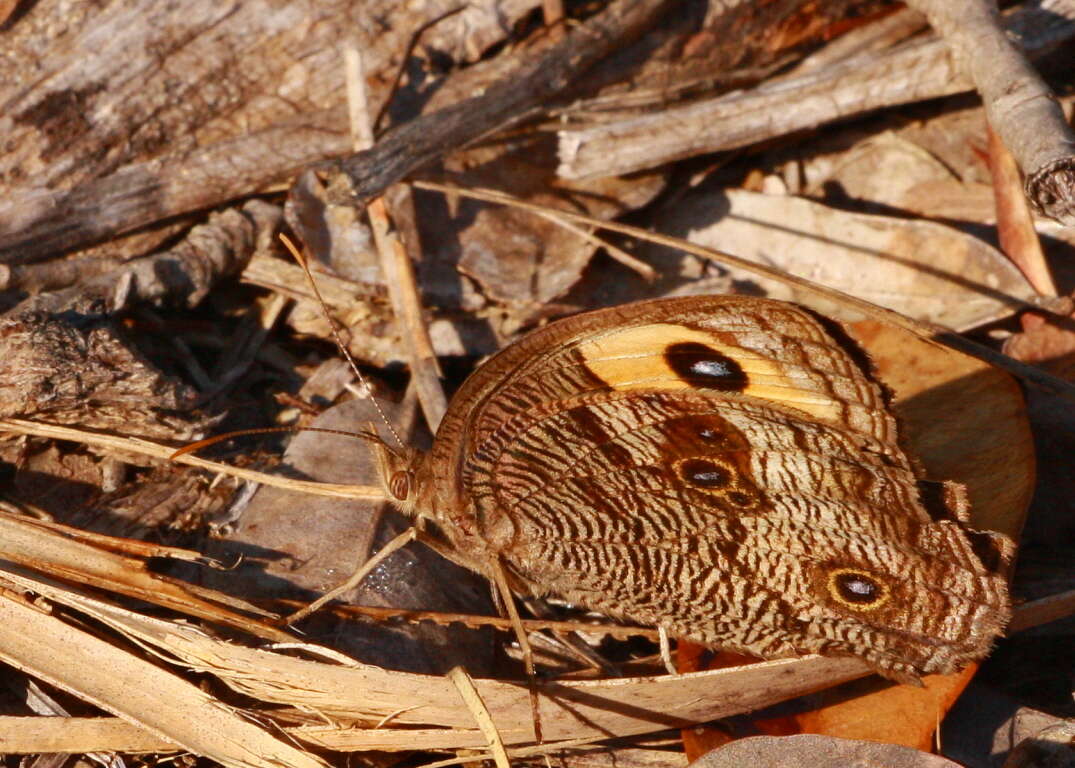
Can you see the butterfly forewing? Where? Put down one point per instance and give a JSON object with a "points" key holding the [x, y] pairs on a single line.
{"points": [[724, 467]]}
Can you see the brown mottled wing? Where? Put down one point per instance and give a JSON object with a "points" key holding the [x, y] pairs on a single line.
{"points": [[723, 467]]}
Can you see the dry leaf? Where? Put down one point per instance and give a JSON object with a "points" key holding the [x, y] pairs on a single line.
{"points": [[515, 256], [924, 270]]}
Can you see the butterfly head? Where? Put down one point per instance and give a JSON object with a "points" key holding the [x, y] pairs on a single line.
{"points": [[396, 468]]}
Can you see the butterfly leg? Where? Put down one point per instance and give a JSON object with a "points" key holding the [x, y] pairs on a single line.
{"points": [[501, 582], [356, 578], [666, 651]]}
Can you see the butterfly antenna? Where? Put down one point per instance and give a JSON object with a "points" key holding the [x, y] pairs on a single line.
{"points": [[368, 435], [336, 335]]}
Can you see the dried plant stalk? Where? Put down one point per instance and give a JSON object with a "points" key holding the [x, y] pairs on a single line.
{"points": [[137, 691], [1020, 106]]}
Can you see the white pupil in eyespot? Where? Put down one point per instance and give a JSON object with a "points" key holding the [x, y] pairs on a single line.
{"points": [[710, 368], [859, 587]]}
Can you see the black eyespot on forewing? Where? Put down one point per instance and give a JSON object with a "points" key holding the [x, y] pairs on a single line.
{"points": [[705, 367]]}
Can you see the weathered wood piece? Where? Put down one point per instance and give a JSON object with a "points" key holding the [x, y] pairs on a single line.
{"points": [[1021, 108], [915, 71], [183, 274], [118, 115], [79, 369]]}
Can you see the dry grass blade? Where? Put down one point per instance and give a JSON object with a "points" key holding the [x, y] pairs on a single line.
{"points": [[470, 696], [364, 694], [49, 551], [134, 547], [164, 452], [137, 691], [75, 735]]}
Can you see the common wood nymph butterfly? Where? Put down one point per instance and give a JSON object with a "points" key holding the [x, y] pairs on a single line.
{"points": [[725, 467]]}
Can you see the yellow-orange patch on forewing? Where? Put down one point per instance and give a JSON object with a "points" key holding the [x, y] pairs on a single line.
{"points": [[669, 356]]}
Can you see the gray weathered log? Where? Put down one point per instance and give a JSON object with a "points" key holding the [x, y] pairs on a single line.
{"points": [[121, 114], [98, 153]]}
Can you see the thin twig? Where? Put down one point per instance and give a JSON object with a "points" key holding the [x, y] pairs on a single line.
{"points": [[395, 263], [533, 85], [869, 39], [164, 452], [1042, 611], [633, 263], [499, 622]]}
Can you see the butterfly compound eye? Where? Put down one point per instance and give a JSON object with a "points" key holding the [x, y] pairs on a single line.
{"points": [[399, 485], [857, 589]]}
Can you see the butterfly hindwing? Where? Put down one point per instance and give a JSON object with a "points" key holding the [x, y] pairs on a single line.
{"points": [[726, 467]]}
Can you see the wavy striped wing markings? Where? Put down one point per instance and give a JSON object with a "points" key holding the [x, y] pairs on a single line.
{"points": [[605, 505], [621, 453], [732, 608], [723, 543], [577, 447], [740, 614], [555, 438]]}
